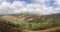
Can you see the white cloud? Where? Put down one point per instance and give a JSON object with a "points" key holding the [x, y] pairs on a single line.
{"points": [[21, 7], [5, 4], [58, 2], [18, 3], [2, 1], [8, 8]]}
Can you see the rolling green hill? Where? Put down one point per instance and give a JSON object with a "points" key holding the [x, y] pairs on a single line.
{"points": [[37, 20]]}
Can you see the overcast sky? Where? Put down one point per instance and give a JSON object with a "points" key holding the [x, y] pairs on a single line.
{"points": [[30, 6]]}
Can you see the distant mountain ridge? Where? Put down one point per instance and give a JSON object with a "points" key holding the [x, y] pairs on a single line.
{"points": [[33, 16]]}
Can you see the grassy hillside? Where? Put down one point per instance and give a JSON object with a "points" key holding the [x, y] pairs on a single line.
{"points": [[32, 21], [6, 27]]}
